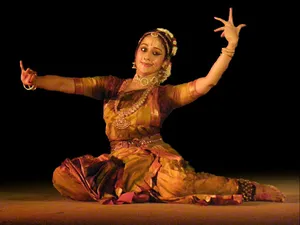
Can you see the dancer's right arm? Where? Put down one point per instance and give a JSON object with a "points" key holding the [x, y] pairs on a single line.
{"points": [[47, 82]]}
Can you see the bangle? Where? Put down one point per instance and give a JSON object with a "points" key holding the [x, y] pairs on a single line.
{"points": [[30, 87], [228, 52]]}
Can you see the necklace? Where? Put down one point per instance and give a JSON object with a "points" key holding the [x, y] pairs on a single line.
{"points": [[145, 81], [121, 122]]}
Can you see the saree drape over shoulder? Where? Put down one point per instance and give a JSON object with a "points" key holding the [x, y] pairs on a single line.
{"points": [[140, 166]]}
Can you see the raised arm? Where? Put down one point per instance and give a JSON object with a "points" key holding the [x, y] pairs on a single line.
{"points": [[231, 33], [183, 94]]}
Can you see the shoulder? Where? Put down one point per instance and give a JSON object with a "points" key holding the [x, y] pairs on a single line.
{"points": [[109, 77], [108, 80], [164, 88]]}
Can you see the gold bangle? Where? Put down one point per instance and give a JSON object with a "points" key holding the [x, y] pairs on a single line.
{"points": [[228, 52], [29, 87]]}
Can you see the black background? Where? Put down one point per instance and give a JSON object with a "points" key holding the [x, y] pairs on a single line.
{"points": [[247, 123]]}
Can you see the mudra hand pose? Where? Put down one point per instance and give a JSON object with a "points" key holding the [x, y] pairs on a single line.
{"points": [[140, 166]]}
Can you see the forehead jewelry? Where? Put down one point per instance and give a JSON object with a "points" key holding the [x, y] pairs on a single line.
{"points": [[154, 34]]}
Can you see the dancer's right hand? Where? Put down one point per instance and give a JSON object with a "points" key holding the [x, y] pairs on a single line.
{"points": [[28, 76]]}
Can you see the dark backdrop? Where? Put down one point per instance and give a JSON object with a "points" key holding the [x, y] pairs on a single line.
{"points": [[246, 123]]}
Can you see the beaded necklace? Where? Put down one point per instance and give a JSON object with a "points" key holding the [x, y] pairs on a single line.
{"points": [[121, 122]]}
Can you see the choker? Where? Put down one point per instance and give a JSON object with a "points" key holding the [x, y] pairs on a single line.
{"points": [[147, 80]]}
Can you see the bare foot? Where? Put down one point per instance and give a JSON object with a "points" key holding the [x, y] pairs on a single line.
{"points": [[268, 193]]}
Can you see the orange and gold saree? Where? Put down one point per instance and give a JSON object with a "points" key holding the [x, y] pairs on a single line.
{"points": [[140, 166]]}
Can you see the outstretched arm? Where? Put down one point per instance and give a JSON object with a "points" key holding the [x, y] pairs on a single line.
{"points": [[231, 33], [98, 87], [31, 81]]}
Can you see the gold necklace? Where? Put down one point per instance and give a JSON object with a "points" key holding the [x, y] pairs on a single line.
{"points": [[121, 122], [145, 81]]}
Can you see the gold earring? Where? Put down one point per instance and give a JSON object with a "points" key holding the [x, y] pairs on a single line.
{"points": [[133, 65]]}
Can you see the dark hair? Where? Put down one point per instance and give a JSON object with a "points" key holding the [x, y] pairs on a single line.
{"points": [[167, 38]]}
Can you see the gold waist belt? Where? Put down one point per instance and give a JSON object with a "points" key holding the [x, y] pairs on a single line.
{"points": [[135, 142]]}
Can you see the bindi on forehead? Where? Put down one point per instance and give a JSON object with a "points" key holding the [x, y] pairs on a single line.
{"points": [[153, 42]]}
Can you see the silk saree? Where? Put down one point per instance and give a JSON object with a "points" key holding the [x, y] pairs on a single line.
{"points": [[139, 166]]}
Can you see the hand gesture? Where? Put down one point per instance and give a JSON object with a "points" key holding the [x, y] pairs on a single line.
{"points": [[230, 32], [28, 76]]}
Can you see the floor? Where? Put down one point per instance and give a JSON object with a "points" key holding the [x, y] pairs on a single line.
{"points": [[39, 203]]}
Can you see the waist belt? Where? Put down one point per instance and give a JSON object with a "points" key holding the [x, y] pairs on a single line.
{"points": [[135, 142]]}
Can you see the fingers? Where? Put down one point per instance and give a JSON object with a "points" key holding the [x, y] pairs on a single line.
{"points": [[228, 23], [30, 71], [27, 76], [28, 79], [241, 26], [31, 79], [21, 65], [223, 21], [219, 29], [230, 17]]}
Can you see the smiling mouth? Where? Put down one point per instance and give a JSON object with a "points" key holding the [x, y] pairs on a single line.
{"points": [[147, 64]]}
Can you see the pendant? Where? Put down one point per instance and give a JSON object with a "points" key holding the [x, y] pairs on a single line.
{"points": [[121, 123]]}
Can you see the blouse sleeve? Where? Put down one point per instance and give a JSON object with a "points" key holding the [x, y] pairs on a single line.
{"points": [[175, 96], [99, 87]]}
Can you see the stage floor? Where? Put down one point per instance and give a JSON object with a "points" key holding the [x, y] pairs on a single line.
{"points": [[39, 203]]}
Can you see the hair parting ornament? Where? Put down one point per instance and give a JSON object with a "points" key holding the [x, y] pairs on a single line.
{"points": [[168, 39]]}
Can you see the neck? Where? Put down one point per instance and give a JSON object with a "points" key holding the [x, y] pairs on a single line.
{"points": [[145, 81]]}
